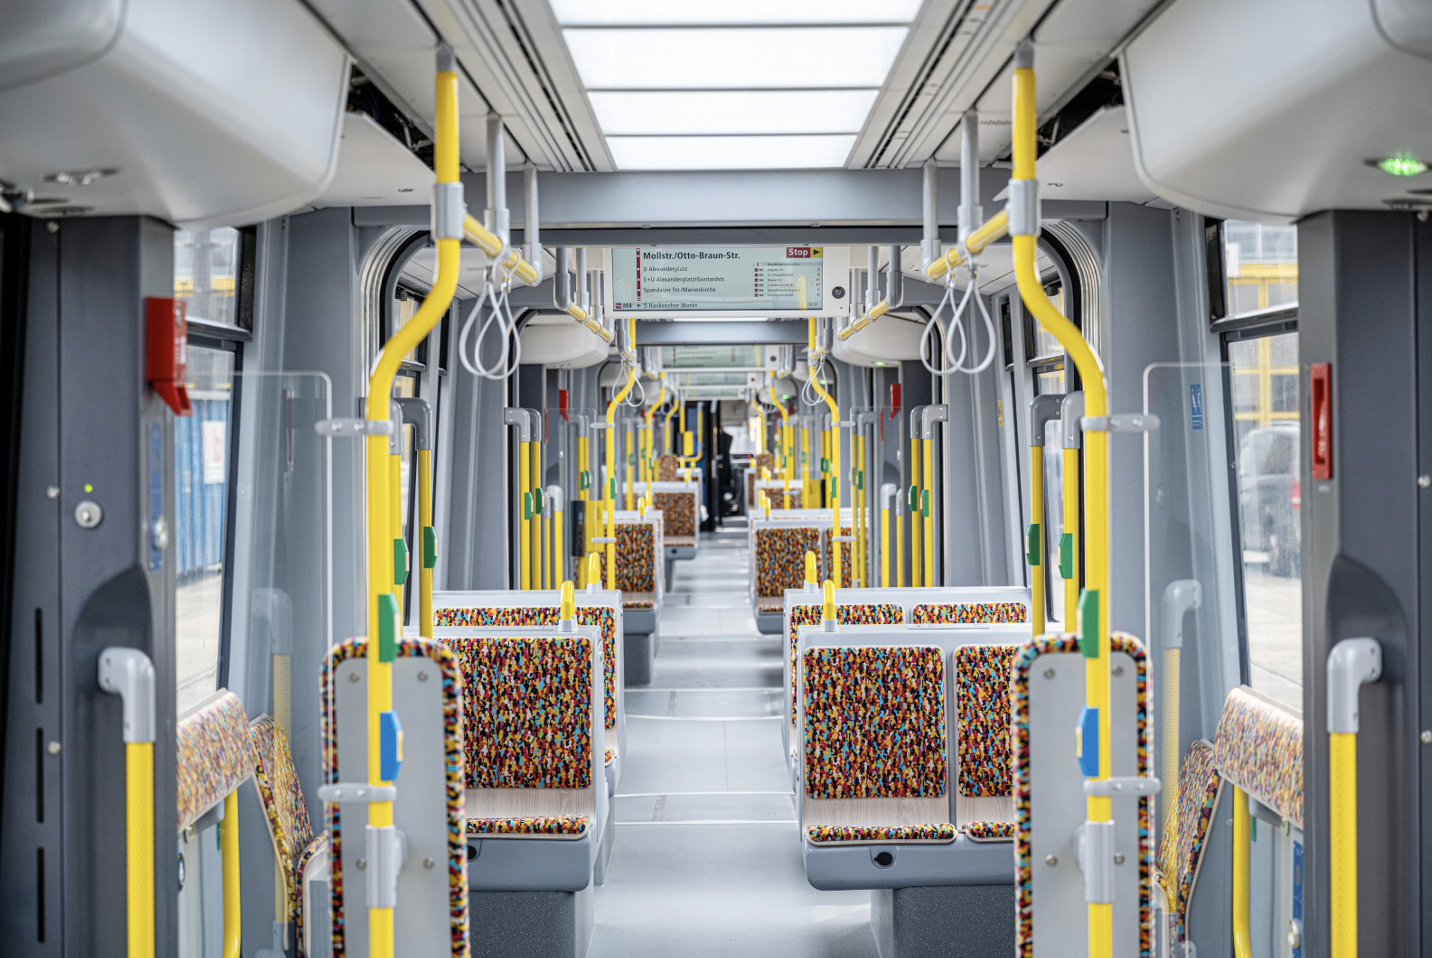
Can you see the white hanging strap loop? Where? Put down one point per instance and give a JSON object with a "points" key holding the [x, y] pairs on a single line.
{"points": [[927, 350]]}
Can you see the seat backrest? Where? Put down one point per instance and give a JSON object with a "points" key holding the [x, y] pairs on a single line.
{"points": [[666, 466], [638, 542], [679, 510], [780, 557], [827, 556], [969, 613], [1259, 748], [882, 613], [762, 460], [982, 717], [1186, 834], [281, 794], [215, 754], [875, 740], [603, 617]]}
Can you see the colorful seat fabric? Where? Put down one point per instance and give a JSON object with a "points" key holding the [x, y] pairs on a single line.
{"points": [[1020, 680], [780, 557], [982, 712], [666, 467], [989, 831], [1186, 833], [636, 557], [938, 833], [679, 512], [603, 617], [537, 826], [827, 556], [526, 710], [215, 755], [970, 613], [446, 663], [770, 608], [1259, 748], [290, 829], [875, 722], [639, 600], [883, 613], [759, 462]]}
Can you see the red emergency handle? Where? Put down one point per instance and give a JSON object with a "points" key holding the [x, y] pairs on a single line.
{"points": [[1322, 413]]}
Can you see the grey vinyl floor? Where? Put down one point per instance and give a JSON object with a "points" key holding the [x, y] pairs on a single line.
{"points": [[707, 858]]}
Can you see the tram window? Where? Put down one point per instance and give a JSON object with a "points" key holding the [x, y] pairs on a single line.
{"points": [[1040, 344], [403, 308], [213, 273], [1263, 373], [1258, 268], [202, 463], [406, 387]]}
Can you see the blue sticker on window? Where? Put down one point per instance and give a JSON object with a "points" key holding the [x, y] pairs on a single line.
{"points": [[1298, 897], [1195, 404]]}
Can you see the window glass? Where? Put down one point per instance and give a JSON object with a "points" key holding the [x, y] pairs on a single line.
{"points": [[1041, 343], [1265, 385], [206, 272], [406, 387], [1260, 266], [1053, 516], [403, 308], [201, 482]]}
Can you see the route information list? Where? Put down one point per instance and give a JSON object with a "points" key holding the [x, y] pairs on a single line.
{"points": [[711, 279]]}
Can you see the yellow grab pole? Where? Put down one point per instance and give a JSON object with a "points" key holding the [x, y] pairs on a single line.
{"points": [[1035, 553], [1093, 606], [395, 518], [887, 493], [1351, 664], [233, 887], [139, 851], [524, 483], [539, 569], [812, 569], [857, 523], [584, 459], [558, 509], [383, 617], [427, 543], [1242, 884], [609, 490], [917, 552], [834, 440], [927, 507], [1072, 511]]}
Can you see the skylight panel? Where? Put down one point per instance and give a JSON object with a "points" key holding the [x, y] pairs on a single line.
{"points": [[754, 12], [730, 152], [688, 112], [734, 58]]}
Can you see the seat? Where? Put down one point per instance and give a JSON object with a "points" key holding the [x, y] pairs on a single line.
{"points": [[984, 803], [1186, 834], [300, 853], [778, 564], [533, 750]]}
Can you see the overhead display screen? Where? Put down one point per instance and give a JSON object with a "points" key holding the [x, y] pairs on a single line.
{"points": [[768, 281]]}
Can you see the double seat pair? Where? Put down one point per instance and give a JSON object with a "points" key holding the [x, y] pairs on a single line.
{"points": [[779, 544]]}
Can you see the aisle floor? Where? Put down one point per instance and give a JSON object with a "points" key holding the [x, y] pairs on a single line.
{"points": [[707, 858]]}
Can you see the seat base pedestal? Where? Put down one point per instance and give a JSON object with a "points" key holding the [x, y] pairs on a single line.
{"points": [[638, 649], [944, 921]]}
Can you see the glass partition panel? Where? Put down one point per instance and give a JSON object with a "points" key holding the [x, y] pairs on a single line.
{"points": [[282, 584]]}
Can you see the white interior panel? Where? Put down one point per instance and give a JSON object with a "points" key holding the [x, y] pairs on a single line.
{"points": [[374, 169]]}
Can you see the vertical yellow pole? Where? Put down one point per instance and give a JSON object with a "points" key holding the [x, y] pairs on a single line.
{"points": [[584, 461], [539, 569], [917, 552], [559, 539], [139, 829], [1342, 843], [426, 540], [885, 540], [1242, 868], [1037, 565], [1095, 603], [927, 508], [834, 444], [524, 483], [1073, 509], [630, 450], [857, 523], [395, 518], [233, 887]]}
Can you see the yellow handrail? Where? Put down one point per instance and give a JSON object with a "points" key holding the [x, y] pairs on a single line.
{"points": [[539, 568], [1094, 605], [917, 551], [382, 604], [927, 513], [233, 887], [1342, 844], [528, 504], [1072, 511], [857, 522], [609, 492], [885, 540], [559, 535], [1036, 553], [994, 228], [139, 846], [427, 550], [1242, 884]]}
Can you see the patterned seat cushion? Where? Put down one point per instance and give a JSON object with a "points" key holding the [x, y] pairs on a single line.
{"points": [[827, 556], [760, 461], [1259, 748], [281, 794], [938, 833], [679, 511], [780, 557], [875, 722], [636, 557], [982, 712], [883, 613], [526, 710], [602, 616], [770, 608], [538, 826], [1186, 833], [970, 613], [666, 466], [638, 600], [215, 755], [989, 831]]}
